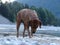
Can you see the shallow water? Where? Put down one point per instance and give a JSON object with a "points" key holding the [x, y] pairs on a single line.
{"points": [[49, 30], [47, 35]]}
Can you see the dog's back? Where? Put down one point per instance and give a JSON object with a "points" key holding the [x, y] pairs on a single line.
{"points": [[27, 14]]}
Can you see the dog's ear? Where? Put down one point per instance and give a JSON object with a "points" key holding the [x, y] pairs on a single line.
{"points": [[39, 23]]}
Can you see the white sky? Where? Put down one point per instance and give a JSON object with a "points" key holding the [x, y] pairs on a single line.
{"points": [[7, 1]]}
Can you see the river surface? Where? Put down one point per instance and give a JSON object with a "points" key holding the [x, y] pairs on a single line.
{"points": [[49, 30], [46, 35]]}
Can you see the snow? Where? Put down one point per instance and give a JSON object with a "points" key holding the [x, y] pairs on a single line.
{"points": [[12, 40], [49, 28], [5, 26], [37, 39]]}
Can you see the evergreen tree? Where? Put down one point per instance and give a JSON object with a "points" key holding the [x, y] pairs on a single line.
{"points": [[26, 6]]}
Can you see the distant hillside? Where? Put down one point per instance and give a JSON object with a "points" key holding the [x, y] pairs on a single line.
{"points": [[52, 5], [3, 20]]}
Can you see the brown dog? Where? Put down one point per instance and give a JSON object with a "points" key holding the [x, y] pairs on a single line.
{"points": [[29, 18]]}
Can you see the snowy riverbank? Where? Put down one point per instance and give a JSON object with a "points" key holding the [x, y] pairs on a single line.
{"points": [[43, 36], [50, 30], [35, 40]]}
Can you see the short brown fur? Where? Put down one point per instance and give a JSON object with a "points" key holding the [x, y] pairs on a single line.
{"points": [[29, 18]]}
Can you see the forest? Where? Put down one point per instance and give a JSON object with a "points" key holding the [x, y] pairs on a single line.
{"points": [[9, 11]]}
